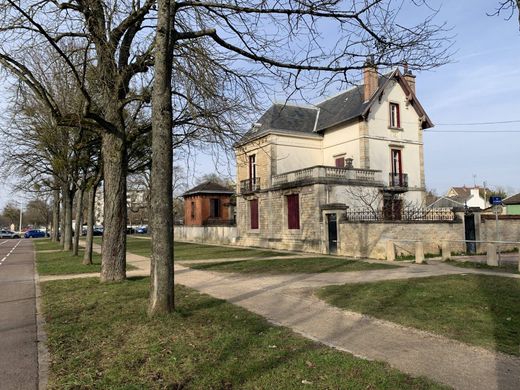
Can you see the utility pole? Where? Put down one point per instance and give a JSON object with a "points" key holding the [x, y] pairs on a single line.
{"points": [[21, 207]]}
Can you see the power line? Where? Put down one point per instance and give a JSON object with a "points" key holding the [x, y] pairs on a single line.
{"points": [[471, 131], [478, 123]]}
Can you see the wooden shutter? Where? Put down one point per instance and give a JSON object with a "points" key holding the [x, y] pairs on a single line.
{"points": [[253, 212], [293, 211], [340, 162]]}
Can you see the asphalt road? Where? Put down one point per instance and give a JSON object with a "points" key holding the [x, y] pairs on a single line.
{"points": [[18, 346]]}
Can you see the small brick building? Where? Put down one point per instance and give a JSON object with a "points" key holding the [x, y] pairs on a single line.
{"points": [[208, 203]]}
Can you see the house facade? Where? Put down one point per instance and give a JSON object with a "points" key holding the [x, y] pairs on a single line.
{"points": [[512, 204], [470, 196], [208, 204], [300, 168]]}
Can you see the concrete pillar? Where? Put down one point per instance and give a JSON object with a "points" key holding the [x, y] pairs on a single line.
{"points": [[492, 255], [419, 252], [390, 250], [445, 251]]}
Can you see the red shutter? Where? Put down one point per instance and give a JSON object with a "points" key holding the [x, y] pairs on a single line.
{"points": [[398, 116], [253, 211], [340, 162], [293, 211]]}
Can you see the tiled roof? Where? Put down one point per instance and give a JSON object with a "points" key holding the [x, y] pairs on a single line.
{"points": [[337, 109], [209, 187], [513, 199]]}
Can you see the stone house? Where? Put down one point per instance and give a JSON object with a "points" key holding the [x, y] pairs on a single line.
{"points": [[208, 203], [301, 167], [470, 196]]}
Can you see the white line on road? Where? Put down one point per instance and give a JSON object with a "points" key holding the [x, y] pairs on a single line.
{"points": [[2, 243], [12, 249]]}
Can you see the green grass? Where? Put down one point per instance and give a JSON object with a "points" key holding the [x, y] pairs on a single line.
{"points": [[298, 265], [192, 251], [476, 309], [63, 263], [100, 337], [45, 244], [504, 267]]}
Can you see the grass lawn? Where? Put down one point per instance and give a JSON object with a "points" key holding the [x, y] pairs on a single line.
{"points": [[476, 309], [504, 267], [99, 336], [45, 244], [62, 263], [298, 265], [192, 251]]}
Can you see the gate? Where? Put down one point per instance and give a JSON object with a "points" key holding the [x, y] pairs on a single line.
{"points": [[333, 233], [469, 232]]}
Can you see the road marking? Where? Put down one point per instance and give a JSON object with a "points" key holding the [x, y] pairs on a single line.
{"points": [[12, 249], [2, 243]]}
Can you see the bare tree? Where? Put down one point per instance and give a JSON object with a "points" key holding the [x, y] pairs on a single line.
{"points": [[507, 7]]}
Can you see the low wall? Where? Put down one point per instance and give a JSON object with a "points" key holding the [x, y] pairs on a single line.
{"points": [[368, 239], [508, 228], [206, 234]]}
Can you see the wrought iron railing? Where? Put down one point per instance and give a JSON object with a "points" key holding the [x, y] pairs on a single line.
{"points": [[250, 185], [325, 172], [398, 180], [406, 214]]}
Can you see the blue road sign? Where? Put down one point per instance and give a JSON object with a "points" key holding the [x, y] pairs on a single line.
{"points": [[495, 200]]}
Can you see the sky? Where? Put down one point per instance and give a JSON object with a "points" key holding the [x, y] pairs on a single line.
{"points": [[481, 84]]}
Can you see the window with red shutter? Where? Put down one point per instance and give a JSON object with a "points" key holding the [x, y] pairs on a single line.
{"points": [[293, 211], [395, 116], [340, 162], [253, 212]]}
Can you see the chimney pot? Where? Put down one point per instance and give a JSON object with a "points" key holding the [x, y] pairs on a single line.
{"points": [[370, 78]]}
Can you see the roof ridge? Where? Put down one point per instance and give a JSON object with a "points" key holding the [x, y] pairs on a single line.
{"points": [[306, 106]]}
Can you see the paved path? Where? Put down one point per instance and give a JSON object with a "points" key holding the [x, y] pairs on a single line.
{"points": [[18, 329], [288, 300]]}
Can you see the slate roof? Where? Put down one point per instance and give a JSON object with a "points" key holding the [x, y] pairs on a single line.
{"points": [[448, 202], [208, 187], [310, 120], [513, 199]]}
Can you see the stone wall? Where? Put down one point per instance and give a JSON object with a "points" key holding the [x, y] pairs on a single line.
{"points": [[368, 239], [508, 227], [206, 234]]}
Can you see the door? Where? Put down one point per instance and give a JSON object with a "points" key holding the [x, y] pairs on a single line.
{"points": [[469, 230], [333, 233], [397, 168]]}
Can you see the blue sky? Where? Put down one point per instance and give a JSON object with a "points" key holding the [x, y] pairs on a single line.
{"points": [[482, 84]]}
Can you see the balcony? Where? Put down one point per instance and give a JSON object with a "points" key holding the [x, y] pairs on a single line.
{"points": [[398, 182], [332, 175], [250, 185]]}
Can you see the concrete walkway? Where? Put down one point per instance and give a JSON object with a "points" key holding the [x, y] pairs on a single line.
{"points": [[288, 300]]}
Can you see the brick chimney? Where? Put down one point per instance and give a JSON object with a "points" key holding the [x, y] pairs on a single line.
{"points": [[370, 78], [409, 77]]}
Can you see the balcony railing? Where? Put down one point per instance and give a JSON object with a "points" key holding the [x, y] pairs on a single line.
{"points": [[398, 180], [250, 185], [410, 214], [320, 172]]}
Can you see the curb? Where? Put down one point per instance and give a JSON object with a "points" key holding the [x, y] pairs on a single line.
{"points": [[41, 336]]}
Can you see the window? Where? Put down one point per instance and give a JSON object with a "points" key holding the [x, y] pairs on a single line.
{"points": [[252, 167], [397, 167], [340, 162], [293, 211], [192, 210], [253, 213], [214, 208], [395, 120]]}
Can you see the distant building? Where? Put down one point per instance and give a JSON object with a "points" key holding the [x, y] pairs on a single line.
{"points": [[208, 203], [512, 204], [468, 196]]}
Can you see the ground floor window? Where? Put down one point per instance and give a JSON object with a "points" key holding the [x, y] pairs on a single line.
{"points": [[253, 213], [293, 211]]}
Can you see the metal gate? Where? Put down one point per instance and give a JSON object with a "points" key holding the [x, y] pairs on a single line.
{"points": [[333, 233], [469, 230]]}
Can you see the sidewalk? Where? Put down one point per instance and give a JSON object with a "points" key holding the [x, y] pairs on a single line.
{"points": [[288, 300]]}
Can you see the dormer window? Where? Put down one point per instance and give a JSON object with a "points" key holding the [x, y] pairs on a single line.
{"points": [[395, 119]]}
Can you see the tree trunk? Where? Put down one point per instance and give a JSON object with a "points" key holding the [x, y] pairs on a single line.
{"points": [[161, 218], [62, 218], [87, 255], [55, 215], [113, 264], [79, 220], [68, 199]]}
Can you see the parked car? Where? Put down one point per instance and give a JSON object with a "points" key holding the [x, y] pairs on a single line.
{"points": [[35, 234], [130, 230], [8, 234], [97, 231], [142, 229]]}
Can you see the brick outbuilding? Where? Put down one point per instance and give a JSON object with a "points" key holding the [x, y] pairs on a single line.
{"points": [[208, 203]]}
